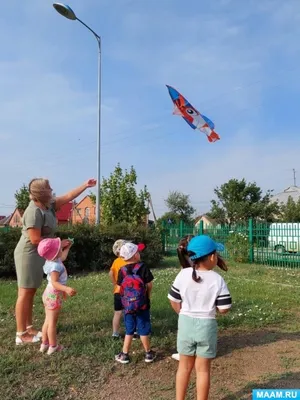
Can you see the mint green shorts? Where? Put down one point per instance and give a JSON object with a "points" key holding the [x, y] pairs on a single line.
{"points": [[197, 336]]}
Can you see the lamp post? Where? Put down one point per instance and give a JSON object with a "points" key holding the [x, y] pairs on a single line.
{"points": [[68, 13]]}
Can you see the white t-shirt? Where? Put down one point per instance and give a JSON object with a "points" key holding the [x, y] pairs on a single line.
{"points": [[200, 299], [58, 266]]}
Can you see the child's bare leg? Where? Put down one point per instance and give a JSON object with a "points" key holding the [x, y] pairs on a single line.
{"points": [[117, 321], [127, 343], [146, 343], [185, 367], [202, 366], [45, 338], [52, 316]]}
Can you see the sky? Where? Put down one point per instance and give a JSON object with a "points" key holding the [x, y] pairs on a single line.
{"points": [[236, 62]]}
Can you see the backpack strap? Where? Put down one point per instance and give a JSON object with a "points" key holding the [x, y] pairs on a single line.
{"points": [[124, 271], [136, 268]]}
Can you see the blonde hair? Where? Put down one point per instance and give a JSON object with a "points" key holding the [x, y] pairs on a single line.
{"points": [[39, 190]]}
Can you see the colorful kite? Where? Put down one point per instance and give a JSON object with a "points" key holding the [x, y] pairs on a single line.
{"points": [[196, 120]]}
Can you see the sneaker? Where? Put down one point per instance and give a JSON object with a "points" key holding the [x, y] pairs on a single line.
{"points": [[55, 349], [44, 348], [175, 356], [115, 335], [122, 358], [135, 336], [150, 356]]}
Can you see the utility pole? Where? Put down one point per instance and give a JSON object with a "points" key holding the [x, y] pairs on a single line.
{"points": [[294, 173]]}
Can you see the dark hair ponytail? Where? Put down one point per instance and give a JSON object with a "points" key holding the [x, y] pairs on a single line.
{"points": [[182, 252], [196, 262], [194, 275]]}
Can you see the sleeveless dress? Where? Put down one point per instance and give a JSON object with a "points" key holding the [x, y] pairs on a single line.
{"points": [[29, 265]]}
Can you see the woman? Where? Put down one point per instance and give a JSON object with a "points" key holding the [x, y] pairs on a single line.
{"points": [[39, 222]]}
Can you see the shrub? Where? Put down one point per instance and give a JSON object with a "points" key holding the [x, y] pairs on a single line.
{"points": [[92, 249], [238, 247]]}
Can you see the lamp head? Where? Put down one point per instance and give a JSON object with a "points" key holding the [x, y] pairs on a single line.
{"points": [[65, 11]]}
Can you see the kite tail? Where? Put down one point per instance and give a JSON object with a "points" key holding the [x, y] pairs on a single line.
{"points": [[213, 137]]}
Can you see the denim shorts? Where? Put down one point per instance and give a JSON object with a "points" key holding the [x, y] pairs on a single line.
{"points": [[138, 322], [197, 336]]}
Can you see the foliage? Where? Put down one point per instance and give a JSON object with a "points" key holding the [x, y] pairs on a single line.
{"points": [[22, 198], [291, 210], [92, 249], [238, 201], [119, 199], [169, 216], [8, 242], [179, 207], [238, 247]]}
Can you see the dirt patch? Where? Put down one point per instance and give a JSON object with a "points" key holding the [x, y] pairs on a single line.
{"points": [[264, 359]]}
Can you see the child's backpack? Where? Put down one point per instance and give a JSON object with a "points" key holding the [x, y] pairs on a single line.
{"points": [[132, 289]]}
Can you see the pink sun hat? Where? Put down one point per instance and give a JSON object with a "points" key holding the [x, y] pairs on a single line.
{"points": [[49, 248]]}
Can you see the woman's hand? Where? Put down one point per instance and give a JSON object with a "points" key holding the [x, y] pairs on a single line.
{"points": [[90, 183]]}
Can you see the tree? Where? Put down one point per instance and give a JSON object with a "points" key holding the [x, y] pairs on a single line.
{"points": [[179, 207], [291, 210], [22, 197], [119, 199], [238, 201]]}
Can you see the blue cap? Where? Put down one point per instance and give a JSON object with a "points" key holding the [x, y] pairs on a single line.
{"points": [[203, 245]]}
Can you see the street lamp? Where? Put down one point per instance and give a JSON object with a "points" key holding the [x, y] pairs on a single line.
{"points": [[68, 13]]}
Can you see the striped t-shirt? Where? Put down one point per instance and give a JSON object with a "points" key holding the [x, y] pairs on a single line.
{"points": [[199, 300]]}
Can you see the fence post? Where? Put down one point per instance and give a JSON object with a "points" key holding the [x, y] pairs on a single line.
{"points": [[163, 237], [250, 237], [201, 230], [181, 229]]}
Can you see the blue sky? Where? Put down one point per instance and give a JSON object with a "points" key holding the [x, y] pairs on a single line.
{"points": [[237, 62]]}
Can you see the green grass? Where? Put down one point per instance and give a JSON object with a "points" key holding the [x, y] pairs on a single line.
{"points": [[259, 299]]}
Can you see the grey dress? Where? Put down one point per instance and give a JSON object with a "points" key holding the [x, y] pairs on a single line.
{"points": [[29, 265]]}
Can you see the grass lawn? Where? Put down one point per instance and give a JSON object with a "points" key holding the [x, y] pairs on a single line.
{"points": [[258, 347]]}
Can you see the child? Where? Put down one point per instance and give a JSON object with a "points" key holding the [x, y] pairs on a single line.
{"points": [[186, 262], [196, 294], [135, 281], [56, 290], [113, 274]]}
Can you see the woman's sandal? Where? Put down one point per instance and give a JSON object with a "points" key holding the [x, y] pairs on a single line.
{"points": [[19, 341], [39, 334]]}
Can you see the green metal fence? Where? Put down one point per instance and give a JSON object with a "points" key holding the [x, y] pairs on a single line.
{"points": [[276, 244]]}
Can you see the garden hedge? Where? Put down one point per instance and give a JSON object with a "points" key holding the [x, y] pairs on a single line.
{"points": [[92, 249]]}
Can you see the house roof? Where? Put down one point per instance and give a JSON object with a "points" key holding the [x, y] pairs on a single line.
{"points": [[211, 220], [78, 204], [65, 212], [17, 210], [291, 191], [5, 221]]}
